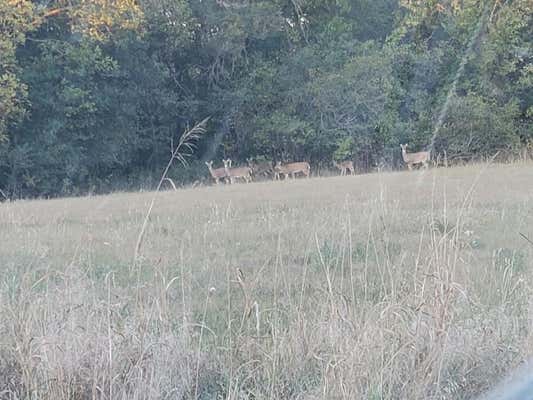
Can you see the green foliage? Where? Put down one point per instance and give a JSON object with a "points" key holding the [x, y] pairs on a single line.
{"points": [[15, 22], [345, 149], [93, 95], [478, 126]]}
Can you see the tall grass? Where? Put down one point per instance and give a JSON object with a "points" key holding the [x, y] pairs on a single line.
{"points": [[373, 287]]}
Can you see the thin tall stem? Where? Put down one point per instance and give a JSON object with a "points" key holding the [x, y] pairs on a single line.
{"points": [[184, 149]]}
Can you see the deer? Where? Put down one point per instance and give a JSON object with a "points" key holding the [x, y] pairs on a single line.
{"points": [[344, 167], [237, 173], [292, 169], [260, 168], [218, 173], [414, 158]]}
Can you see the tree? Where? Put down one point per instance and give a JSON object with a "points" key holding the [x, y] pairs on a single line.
{"points": [[93, 93], [16, 19]]}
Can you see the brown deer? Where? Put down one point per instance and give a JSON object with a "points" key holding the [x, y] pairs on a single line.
{"points": [[292, 169], [414, 158], [237, 173], [260, 168], [344, 167], [218, 173]]}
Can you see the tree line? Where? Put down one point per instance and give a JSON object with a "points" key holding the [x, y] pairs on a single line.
{"points": [[93, 95]]}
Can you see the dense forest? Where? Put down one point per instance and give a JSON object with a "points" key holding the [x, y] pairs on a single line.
{"points": [[93, 93]]}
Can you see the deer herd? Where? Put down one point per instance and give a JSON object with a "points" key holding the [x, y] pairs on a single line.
{"points": [[277, 171]]}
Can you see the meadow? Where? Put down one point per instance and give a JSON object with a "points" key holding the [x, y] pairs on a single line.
{"points": [[394, 285]]}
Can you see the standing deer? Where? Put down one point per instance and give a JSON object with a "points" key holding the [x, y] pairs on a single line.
{"points": [[260, 168], [292, 169], [237, 173], [344, 167], [414, 158], [216, 174]]}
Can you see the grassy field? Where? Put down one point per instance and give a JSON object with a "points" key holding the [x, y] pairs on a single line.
{"points": [[401, 285]]}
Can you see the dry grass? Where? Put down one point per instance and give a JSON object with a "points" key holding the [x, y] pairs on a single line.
{"points": [[385, 286]]}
